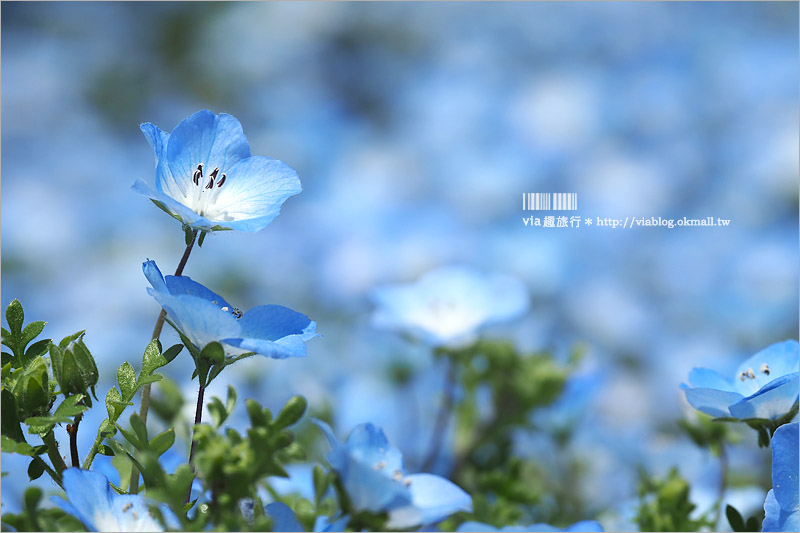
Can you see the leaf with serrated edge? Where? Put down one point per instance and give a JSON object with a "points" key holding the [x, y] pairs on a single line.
{"points": [[126, 377]]}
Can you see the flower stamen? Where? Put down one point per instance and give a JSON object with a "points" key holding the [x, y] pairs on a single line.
{"points": [[221, 180], [198, 174], [765, 369], [212, 177]]}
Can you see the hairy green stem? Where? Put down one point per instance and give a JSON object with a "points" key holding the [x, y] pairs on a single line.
{"points": [[55, 457], [198, 417], [144, 408]]}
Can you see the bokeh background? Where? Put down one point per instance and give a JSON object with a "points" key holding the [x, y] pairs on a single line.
{"points": [[415, 128]]}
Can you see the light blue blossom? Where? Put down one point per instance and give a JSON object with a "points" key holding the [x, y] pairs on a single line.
{"points": [[203, 316], [781, 505], [207, 179], [583, 525], [765, 386], [448, 306], [97, 505], [283, 518], [376, 480]]}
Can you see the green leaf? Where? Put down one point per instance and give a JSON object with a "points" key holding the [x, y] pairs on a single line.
{"points": [[66, 341], [32, 498], [188, 235], [172, 352], [64, 414], [36, 468], [734, 518], [107, 429], [105, 450], [57, 362], [202, 238], [321, 483], [10, 445], [137, 425], [86, 364], [9, 423], [15, 316], [69, 407], [753, 524], [152, 358], [134, 439], [35, 350], [257, 416], [115, 404], [32, 331], [163, 441], [126, 377], [291, 412]]}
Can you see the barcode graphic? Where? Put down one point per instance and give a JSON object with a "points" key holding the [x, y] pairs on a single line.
{"points": [[544, 201]]}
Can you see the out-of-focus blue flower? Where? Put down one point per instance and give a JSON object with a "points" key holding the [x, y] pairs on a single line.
{"points": [[203, 316], [448, 306], [376, 480], [206, 177], [283, 518], [764, 386], [97, 505], [781, 505], [583, 525]]}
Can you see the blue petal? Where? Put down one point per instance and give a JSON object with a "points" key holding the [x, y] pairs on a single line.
{"points": [[709, 379], [433, 498], [273, 322], [283, 518], [711, 401], [254, 191], [372, 490], [153, 275], [179, 285], [585, 525], [777, 519], [781, 359], [785, 466], [327, 524], [198, 319], [291, 346], [203, 138], [771, 401], [369, 445]]}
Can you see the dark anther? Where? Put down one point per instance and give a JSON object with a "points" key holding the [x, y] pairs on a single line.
{"points": [[237, 312], [221, 181], [212, 177], [198, 174]]}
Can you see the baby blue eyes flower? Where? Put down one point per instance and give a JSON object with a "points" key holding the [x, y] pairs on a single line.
{"points": [[207, 179], [203, 316], [765, 386], [376, 480], [91, 499], [781, 505], [448, 306], [583, 525]]}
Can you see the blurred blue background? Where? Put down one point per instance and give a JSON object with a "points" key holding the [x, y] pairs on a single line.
{"points": [[415, 128]]}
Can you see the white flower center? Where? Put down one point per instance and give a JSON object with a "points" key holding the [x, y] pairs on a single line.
{"points": [[201, 198]]}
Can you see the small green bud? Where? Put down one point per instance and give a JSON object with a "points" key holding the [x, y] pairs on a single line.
{"points": [[291, 412], [31, 391]]}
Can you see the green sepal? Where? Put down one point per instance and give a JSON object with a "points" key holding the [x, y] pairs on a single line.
{"points": [[291, 412], [202, 238], [322, 481], [36, 468], [734, 518], [32, 390], [164, 208], [188, 235], [172, 352]]}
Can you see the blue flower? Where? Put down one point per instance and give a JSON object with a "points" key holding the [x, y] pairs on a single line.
{"points": [[781, 505], [765, 386], [583, 525], [376, 480], [283, 518], [449, 305], [203, 316], [207, 179], [94, 502]]}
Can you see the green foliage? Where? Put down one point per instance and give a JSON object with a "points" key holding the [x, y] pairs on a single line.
{"points": [[17, 338], [73, 366], [34, 518], [664, 505], [65, 413], [738, 523]]}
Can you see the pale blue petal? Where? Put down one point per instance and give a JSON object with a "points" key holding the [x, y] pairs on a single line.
{"points": [[273, 322], [781, 358], [476, 527], [207, 139], [198, 319], [369, 445], [709, 379], [585, 525], [772, 401], [254, 191], [785, 481], [179, 285], [433, 498], [712, 402], [291, 346], [157, 138], [372, 490], [777, 519], [153, 275], [283, 518]]}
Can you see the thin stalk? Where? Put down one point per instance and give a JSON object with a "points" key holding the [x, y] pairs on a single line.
{"points": [[723, 481], [55, 457], [145, 405], [72, 429], [442, 417], [198, 417]]}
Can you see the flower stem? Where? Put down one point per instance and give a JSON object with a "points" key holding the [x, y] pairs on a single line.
{"points": [[72, 429], [145, 405], [198, 417], [442, 417], [52, 452], [723, 481]]}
